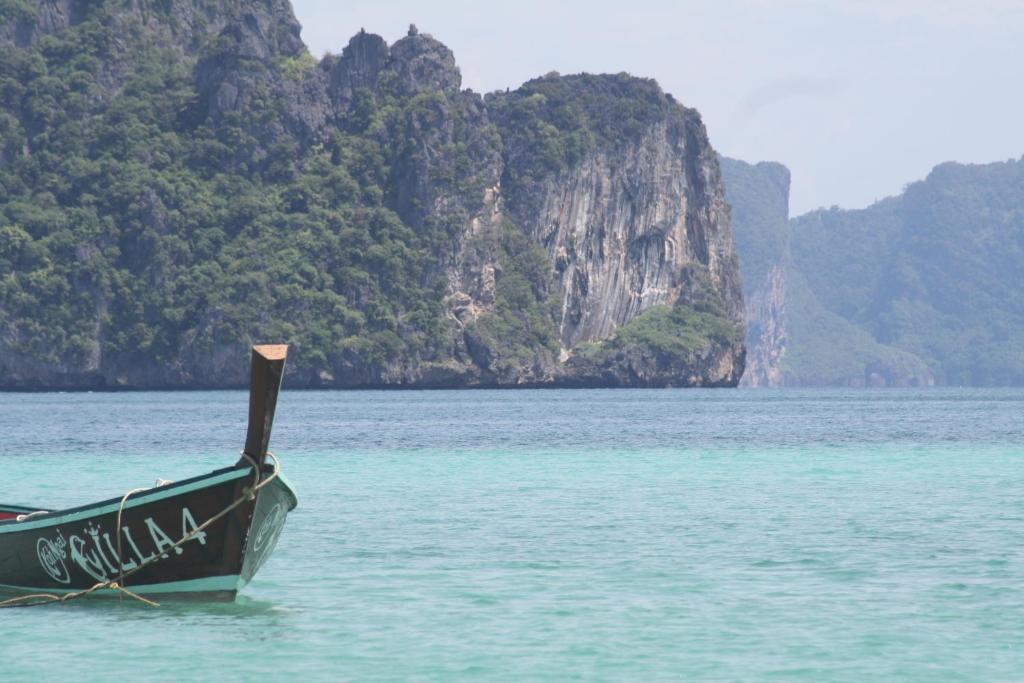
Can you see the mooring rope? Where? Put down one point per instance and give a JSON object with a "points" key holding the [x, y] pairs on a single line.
{"points": [[248, 493], [117, 533]]}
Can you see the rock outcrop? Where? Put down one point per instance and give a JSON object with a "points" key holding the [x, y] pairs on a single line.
{"points": [[630, 210], [571, 232], [623, 225]]}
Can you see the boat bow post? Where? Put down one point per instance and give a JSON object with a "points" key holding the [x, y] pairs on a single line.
{"points": [[267, 371]]}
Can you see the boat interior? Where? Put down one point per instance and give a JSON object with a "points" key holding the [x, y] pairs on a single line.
{"points": [[9, 512]]}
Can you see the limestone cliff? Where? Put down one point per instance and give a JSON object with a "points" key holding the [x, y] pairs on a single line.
{"points": [[626, 201], [625, 223], [766, 330], [206, 183]]}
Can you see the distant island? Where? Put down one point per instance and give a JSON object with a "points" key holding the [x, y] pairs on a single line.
{"points": [[181, 180], [919, 289]]}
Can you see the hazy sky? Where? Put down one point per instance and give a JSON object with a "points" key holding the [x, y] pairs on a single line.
{"points": [[857, 97]]}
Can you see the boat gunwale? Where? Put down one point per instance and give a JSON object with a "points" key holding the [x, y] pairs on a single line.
{"points": [[152, 495], [22, 509]]}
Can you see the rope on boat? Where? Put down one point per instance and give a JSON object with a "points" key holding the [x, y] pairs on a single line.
{"points": [[248, 494]]}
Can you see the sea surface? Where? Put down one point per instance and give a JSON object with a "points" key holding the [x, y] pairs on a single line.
{"points": [[826, 535]]}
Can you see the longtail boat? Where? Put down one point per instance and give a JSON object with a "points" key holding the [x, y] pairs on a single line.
{"points": [[203, 537]]}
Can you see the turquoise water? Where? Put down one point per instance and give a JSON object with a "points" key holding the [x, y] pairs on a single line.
{"points": [[523, 535]]}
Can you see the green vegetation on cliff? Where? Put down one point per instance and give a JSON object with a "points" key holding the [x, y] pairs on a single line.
{"points": [[523, 318], [123, 210], [674, 332], [825, 349], [758, 195], [666, 340], [557, 120]]}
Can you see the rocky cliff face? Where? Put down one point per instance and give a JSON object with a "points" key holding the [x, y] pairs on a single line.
{"points": [[623, 226], [571, 232], [179, 23], [628, 205], [766, 331]]}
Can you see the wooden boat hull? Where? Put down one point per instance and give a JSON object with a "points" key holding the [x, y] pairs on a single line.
{"points": [[73, 550]]}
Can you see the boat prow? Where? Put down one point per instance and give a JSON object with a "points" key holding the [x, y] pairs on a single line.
{"points": [[204, 537]]}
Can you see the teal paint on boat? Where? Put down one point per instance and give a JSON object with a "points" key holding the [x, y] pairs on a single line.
{"points": [[213, 584], [58, 517]]}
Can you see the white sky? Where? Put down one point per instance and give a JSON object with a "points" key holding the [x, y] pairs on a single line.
{"points": [[857, 97]]}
